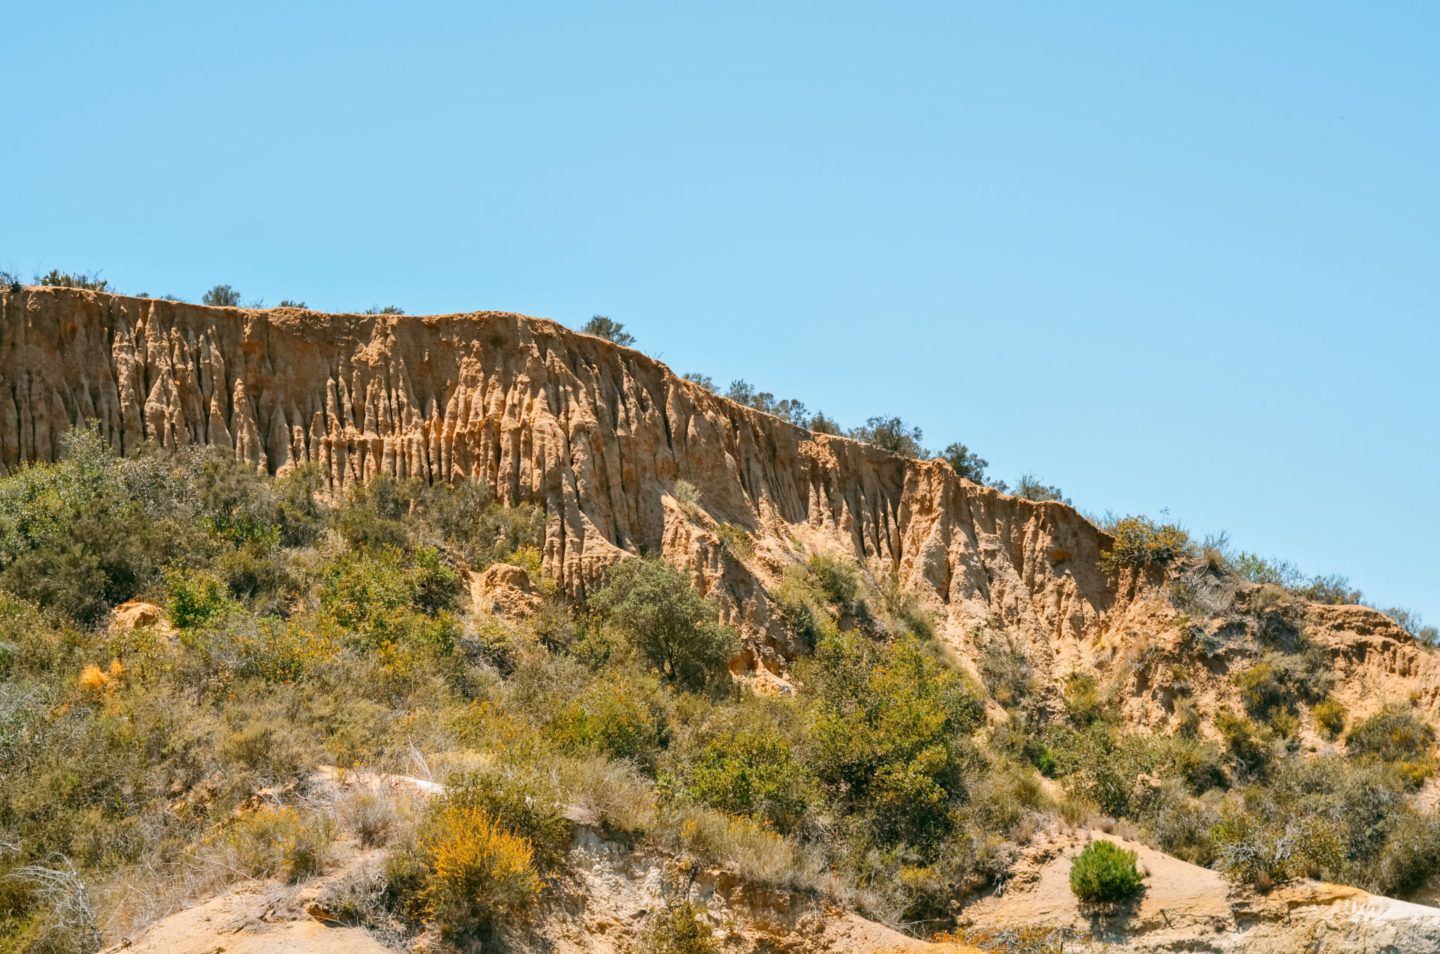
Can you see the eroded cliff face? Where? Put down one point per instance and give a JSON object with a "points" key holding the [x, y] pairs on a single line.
{"points": [[598, 435], [595, 433]]}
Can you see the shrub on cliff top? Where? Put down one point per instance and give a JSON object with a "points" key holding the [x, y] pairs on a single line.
{"points": [[222, 296], [602, 326], [1140, 542], [58, 279], [893, 435]]}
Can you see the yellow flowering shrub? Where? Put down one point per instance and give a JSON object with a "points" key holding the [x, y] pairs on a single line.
{"points": [[477, 871]]}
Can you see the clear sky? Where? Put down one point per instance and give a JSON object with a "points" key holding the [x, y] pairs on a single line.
{"points": [[1166, 256]]}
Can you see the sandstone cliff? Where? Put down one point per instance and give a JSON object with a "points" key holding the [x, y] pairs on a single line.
{"points": [[595, 433], [598, 435]]}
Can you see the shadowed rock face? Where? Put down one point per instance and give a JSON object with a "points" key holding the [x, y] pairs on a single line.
{"points": [[595, 433]]}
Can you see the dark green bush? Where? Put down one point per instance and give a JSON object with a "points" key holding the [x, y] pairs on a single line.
{"points": [[603, 327], [885, 723], [966, 462], [58, 279], [1104, 873], [787, 409], [893, 435], [753, 771], [651, 604], [222, 296]]}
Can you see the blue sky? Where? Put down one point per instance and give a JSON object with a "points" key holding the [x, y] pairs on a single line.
{"points": [[1168, 258]]}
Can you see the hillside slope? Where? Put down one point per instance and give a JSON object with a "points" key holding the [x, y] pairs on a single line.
{"points": [[599, 435]]}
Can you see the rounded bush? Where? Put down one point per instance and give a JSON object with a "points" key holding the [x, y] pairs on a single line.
{"points": [[1104, 873]]}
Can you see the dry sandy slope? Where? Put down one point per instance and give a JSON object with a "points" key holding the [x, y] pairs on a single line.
{"points": [[1184, 907], [256, 917]]}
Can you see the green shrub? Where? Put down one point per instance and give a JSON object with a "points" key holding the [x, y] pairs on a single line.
{"points": [[195, 598], [839, 582], [1257, 569], [1254, 850], [1249, 746], [221, 296], [1083, 701], [883, 729], [1329, 717], [58, 279], [651, 604], [787, 409], [1032, 489], [602, 326], [734, 540], [92, 530], [1398, 738], [965, 462], [1331, 589], [893, 435], [679, 928], [383, 596], [1005, 671], [1410, 856], [614, 717], [1104, 873], [752, 771], [687, 495], [1140, 543], [522, 803], [384, 310]]}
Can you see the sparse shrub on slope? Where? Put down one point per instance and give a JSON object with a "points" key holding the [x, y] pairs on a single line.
{"points": [[1334, 818], [1104, 873], [1032, 489], [1398, 738], [1329, 717], [679, 928]]}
